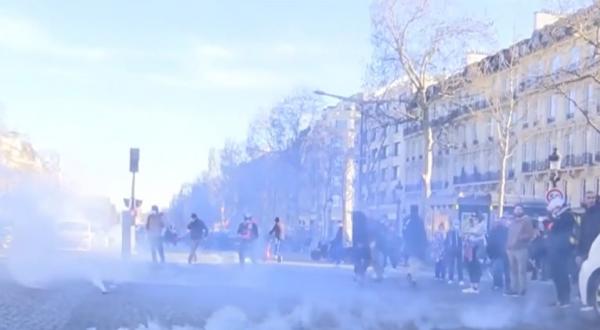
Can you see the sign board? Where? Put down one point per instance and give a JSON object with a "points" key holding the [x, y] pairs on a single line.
{"points": [[554, 193], [134, 160]]}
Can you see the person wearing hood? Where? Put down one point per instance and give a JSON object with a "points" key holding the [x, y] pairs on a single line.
{"points": [[560, 249], [415, 242]]}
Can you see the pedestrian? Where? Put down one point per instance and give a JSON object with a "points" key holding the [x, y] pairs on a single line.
{"points": [[378, 247], [589, 231], [154, 230], [496, 249], [248, 234], [336, 246], [560, 249], [474, 243], [276, 234], [198, 231], [537, 251], [437, 253], [360, 245], [415, 242], [520, 235], [454, 254]]}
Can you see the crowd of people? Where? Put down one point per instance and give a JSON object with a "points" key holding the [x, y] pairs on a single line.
{"points": [[158, 233], [513, 246], [514, 250]]}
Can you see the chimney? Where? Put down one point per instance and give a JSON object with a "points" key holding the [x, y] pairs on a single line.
{"points": [[543, 18], [474, 57]]}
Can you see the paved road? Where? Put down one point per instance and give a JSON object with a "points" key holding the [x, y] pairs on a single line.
{"points": [[268, 296]]}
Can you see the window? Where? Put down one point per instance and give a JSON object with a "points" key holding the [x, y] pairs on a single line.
{"points": [[397, 149], [570, 105], [574, 58], [395, 173], [532, 112], [552, 107], [474, 132], [384, 152], [569, 144], [588, 102], [524, 152], [384, 131], [374, 154], [373, 134], [555, 65], [383, 174]]}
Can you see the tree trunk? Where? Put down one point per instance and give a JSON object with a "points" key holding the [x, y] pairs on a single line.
{"points": [[427, 166], [503, 170]]}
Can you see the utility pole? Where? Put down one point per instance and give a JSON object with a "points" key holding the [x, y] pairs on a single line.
{"points": [[128, 218]]}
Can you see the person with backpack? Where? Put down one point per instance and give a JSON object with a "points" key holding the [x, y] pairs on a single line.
{"points": [[154, 231], [474, 244], [198, 231], [248, 235], [276, 234]]}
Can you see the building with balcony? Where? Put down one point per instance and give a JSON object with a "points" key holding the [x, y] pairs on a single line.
{"points": [[545, 83]]}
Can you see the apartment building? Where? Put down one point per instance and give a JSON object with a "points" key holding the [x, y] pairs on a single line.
{"points": [[541, 82]]}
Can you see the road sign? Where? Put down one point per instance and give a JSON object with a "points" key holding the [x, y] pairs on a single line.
{"points": [[134, 160], [554, 193], [127, 201]]}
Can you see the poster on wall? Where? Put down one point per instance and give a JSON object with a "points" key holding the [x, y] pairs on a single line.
{"points": [[466, 216]]}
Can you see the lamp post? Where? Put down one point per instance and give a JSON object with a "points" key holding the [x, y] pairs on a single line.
{"points": [[349, 172], [554, 161]]}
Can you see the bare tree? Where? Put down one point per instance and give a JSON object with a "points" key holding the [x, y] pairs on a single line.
{"points": [[417, 41]]}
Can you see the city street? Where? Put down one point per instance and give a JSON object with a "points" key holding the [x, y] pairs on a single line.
{"points": [[297, 295]]}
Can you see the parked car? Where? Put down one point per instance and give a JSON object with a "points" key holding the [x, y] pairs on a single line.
{"points": [[589, 278], [75, 235]]}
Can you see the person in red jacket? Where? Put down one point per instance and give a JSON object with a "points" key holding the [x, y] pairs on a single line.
{"points": [[248, 234]]}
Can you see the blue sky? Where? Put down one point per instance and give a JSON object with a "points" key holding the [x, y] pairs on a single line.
{"points": [[89, 79]]}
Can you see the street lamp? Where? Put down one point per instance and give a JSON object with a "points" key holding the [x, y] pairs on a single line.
{"points": [[554, 160]]}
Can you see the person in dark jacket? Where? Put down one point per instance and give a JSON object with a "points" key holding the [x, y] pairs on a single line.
{"points": [[276, 234], [415, 241], [454, 255], [336, 249], [590, 227], [198, 231], [496, 249], [360, 245], [560, 249], [248, 234]]}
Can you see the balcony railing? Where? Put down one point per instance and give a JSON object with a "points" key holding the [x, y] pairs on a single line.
{"points": [[479, 177], [413, 187]]}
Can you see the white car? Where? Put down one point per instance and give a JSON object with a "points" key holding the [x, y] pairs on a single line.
{"points": [[589, 278], [75, 236]]}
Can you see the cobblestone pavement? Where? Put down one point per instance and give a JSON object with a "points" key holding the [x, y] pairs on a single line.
{"points": [[270, 296]]}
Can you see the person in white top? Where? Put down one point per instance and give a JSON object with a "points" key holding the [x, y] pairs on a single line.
{"points": [[474, 242]]}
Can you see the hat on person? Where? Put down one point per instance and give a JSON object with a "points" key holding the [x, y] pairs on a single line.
{"points": [[555, 203]]}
